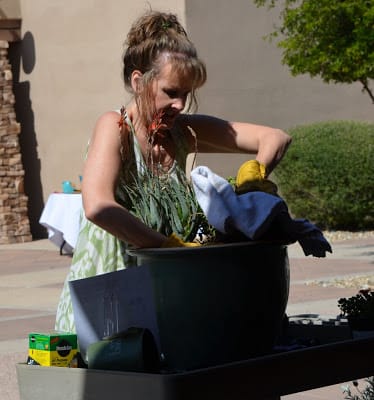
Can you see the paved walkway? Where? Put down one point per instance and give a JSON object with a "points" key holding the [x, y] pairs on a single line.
{"points": [[32, 274]]}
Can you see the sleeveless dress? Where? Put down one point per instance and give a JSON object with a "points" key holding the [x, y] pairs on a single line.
{"points": [[97, 251]]}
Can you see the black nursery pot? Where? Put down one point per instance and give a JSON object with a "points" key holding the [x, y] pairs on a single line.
{"points": [[216, 304], [361, 324]]}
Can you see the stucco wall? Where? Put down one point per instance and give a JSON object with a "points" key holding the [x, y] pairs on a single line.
{"points": [[246, 80], [68, 71], [10, 9]]}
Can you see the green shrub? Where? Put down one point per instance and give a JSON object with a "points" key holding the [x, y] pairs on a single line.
{"points": [[327, 174]]}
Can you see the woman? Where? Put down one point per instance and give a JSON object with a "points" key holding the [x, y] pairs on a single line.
{"points": [[162, 71]]}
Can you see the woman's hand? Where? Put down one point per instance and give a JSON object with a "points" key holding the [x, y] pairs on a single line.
{"points": [[175, 241], [251, 177]]}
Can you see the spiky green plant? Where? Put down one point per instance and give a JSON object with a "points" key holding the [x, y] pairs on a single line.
{"points": [[168, 205], [359, 305], [367, 393]]}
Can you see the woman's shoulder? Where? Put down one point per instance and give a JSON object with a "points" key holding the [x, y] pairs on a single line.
{"points": [[109, 121], [107, 128], [109, 117]]}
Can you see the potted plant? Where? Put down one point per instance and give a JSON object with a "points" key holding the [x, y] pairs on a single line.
{"points": [[359, 311], [216, 303], [206, 305]]}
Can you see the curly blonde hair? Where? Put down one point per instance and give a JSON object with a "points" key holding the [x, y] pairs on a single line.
{"points": [[152, 36]]}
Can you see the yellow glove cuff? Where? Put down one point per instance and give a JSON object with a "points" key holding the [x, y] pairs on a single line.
{"points": [[263, 171], [175, 241], [265, 185]]}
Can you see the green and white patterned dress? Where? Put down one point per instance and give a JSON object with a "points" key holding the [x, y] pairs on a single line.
{"points": [[97, 251]]}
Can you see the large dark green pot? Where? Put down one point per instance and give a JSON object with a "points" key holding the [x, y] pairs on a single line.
{"points": [[216, 304]]}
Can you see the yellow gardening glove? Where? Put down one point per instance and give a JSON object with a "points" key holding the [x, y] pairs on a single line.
{"points": [[251, 178], [174, 241]]}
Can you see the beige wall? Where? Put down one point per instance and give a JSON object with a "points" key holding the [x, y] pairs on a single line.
{"points": [[69, 72], [10, 9], [72, 53], [246, 80]]}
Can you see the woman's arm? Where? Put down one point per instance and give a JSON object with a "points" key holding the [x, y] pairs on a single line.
{"points": [[100, 176], [217, 135]]}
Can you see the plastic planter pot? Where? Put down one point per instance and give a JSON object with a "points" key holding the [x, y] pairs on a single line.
{"points": [[205, 306], [217, 304]]}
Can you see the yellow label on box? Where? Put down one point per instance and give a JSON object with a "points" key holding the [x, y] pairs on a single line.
{"points": [[52, 349]]}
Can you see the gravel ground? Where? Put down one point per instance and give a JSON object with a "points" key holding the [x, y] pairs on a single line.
{"points": [[358, 282], [337, 236]]}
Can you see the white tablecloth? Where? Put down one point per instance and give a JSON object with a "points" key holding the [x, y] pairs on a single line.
{"points": [[61, 216]]}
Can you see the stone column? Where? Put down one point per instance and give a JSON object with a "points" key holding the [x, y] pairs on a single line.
{"points": [[14, 222]]}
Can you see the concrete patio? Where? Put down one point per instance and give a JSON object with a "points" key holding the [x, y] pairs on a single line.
{"points": [[32, 275]]}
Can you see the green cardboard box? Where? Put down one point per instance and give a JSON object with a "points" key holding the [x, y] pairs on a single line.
{"points": [[52, 349]]}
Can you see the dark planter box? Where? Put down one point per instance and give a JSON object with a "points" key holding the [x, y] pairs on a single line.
{"points": [[262, 378], [204, 306]]}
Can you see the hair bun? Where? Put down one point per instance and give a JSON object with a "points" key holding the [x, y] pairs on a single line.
{"points": [[153, 26]]}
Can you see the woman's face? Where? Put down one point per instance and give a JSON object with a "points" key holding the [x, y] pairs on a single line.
{"points": [[170, 94]]}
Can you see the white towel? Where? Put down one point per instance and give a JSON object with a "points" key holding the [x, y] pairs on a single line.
{"points": [[252, 213], [211, 190]]}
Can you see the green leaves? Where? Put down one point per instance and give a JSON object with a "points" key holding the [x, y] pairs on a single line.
{"points": [[333, 39], [360, 305], [360, 393], [167, 205]]}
